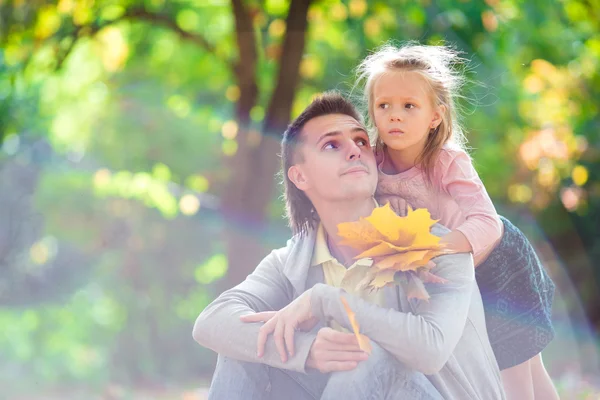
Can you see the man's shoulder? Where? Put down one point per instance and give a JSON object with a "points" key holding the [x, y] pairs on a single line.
{"points": [[293, 245]]}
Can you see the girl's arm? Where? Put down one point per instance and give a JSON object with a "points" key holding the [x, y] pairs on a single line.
{"points": [[457, 241], [460, 180]]}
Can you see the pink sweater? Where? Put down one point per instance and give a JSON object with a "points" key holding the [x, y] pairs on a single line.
{"points": [[457, 199]]}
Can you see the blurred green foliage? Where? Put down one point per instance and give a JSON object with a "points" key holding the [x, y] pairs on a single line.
{"points": [[118, 127]]}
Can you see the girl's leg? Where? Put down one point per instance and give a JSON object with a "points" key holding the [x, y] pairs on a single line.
{"points": [[542, 383], [518, 382]]}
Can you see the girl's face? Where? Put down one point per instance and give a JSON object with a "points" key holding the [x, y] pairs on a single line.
{"points": [[404, 110]]}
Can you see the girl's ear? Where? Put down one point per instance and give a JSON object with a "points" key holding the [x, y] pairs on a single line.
{"points": [[298, 178], [438, 116]]}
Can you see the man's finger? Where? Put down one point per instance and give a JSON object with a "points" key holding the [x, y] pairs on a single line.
{"points": [[334, 355], [334, 346], [258, 317], [333, 366], [289, 339], [279, 340], [263, 333], [338, 337]]}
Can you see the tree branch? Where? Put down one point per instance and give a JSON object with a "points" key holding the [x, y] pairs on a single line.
{"points": [[164, 20], [142, 14], [245, 69], [63, 56], [279, 109]]}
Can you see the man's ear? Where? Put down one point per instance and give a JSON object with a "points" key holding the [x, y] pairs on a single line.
{"points": [[298, 178], [438, 117]]}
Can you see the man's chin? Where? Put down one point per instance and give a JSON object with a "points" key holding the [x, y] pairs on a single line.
{"points": [[360, 190]]}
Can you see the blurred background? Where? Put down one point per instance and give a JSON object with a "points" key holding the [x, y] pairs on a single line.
{"points": [[138, 152]]}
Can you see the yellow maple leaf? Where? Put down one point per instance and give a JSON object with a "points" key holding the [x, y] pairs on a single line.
{"points": [[428, 277], [363, 341], [401, 261], [359, 235], [419, 222], [410, 260], [383, 278], [368, 277], [381, 249], [388, 224], [385, 226], [395, 244], [415, 289]]}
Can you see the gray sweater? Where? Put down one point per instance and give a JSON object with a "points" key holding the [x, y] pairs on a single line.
{"points": [[445, 337]]}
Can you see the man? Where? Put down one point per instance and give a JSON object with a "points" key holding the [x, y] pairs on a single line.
{"points": [[436, 349]]}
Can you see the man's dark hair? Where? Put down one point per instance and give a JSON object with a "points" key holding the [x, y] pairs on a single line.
{"points": [[300, 212]]}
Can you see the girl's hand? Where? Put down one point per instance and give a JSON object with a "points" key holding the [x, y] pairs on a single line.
{"points": [[457, 242]]}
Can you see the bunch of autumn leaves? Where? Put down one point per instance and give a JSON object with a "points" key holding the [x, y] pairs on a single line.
{"points": [[401, 249]]}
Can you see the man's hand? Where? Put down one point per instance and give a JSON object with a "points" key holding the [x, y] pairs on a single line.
{"points": [[283, 323], [335, 351]]}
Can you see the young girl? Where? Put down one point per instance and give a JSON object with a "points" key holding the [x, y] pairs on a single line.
{"points": [[411, 96]]}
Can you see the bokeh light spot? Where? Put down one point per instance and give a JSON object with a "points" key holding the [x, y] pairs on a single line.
{"points": [[229, 130], [277, 28], [189, 204], [229, 147], [232, 93], [214, 268], [257, 114], [357, 8], [580, 175]]}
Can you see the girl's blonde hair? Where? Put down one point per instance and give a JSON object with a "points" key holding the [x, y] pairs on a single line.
{"points": [[437, 65]]}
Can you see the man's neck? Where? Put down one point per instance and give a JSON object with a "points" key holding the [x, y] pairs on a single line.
{"points": [[332, 214]]}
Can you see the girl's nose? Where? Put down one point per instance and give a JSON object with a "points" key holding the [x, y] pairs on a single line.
{"points": [[395, 117]]}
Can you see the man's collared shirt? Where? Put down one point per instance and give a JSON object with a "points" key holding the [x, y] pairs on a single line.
{"points": [[338, 276]]}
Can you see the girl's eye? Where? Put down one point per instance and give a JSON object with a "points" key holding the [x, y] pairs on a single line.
{"points": [[410, 106], [383, 106]]}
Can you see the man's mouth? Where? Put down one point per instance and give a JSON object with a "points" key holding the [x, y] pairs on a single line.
{"points": [[356, 170]]}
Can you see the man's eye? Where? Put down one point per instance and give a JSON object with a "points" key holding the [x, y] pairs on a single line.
{"points": [[362, 142], [329, 146]]}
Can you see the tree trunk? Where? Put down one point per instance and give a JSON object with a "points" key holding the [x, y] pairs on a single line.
{"points": [[251, 183]]}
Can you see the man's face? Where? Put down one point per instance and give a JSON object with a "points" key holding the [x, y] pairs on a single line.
{"points": [[336, 160]]}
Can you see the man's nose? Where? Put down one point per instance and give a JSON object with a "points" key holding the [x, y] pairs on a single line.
{"points": [[354, 151]]}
